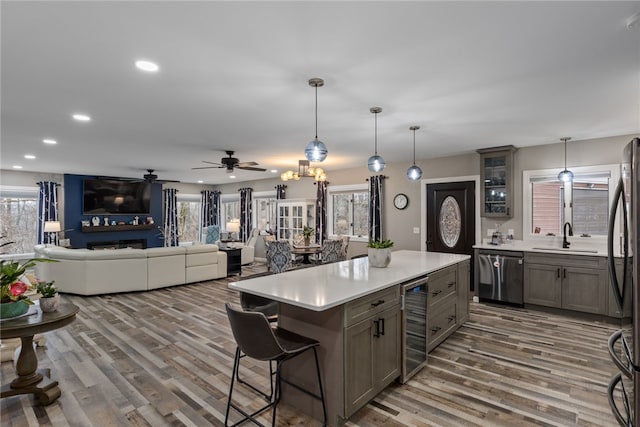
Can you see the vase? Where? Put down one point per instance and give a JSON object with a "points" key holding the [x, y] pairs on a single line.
{"points": [[13, 309], [307, 241], [379, 257], [49, 304]]}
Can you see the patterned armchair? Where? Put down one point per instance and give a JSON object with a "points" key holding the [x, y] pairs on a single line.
{"points": [[330, 251], [279, 256]]}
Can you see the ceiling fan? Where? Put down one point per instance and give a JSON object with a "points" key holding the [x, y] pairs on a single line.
{"points": [[149, 177], [231, 163]]}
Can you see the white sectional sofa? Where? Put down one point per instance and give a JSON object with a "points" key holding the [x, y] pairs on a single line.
{"points": [[94, 272]]}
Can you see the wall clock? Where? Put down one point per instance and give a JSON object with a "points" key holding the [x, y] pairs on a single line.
{"points": [[400, 201]]}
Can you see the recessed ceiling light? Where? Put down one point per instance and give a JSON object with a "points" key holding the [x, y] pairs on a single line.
{"points": [[274, 170], [232, 177], [49, 141], [17, 167], [148, 66], [29, 156], [81, 117], [200, 181]]}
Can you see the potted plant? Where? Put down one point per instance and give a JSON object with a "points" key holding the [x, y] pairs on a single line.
{"points": [[379, 252], [307, 232], [49, 297]]}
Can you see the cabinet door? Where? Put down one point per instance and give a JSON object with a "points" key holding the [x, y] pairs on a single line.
{"points": [[387, 348], [464, 282], [359, 367], [584, 289], [542, 285], [496, 182]]}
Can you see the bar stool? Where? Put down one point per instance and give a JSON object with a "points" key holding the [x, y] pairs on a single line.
{"points": [[257, 339]]}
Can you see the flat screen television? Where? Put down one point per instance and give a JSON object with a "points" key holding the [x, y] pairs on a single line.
{"points": [[113, 197]]}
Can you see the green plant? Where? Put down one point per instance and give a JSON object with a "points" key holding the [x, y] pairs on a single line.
{"points": [[46, 289], [307, 232], [380, 244]]}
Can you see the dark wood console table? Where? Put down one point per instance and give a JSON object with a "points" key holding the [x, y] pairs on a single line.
{"points": [[30, 379]]}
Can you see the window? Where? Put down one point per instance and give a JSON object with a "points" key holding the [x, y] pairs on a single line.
{"points": [[348, 211], [229, 209], [189, 206], [18, 219], [549, 204]]}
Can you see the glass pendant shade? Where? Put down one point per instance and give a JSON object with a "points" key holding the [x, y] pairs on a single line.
{"points": [[414, 173], [566, 175], [376, 163], [316, 151]]}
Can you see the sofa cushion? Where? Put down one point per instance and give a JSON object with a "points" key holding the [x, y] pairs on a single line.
{"points": [[202, 255], [165, 251]]}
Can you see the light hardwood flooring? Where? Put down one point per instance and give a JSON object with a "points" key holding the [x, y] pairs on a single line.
{"points": [[164, 358]]}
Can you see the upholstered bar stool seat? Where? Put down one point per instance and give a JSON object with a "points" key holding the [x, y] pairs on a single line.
{"points": [[256, 338]]}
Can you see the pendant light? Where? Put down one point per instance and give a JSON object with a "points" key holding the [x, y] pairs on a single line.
{"points": [[316, 151], [414, 173], [566, 175], [376, 163]]}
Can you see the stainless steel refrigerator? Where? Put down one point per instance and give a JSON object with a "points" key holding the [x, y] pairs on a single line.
{"points": [[624, 345]]}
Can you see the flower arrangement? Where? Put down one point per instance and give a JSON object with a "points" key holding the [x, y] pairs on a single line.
{"points": [[14, 281]]}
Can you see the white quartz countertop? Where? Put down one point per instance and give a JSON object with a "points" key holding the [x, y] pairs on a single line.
{"points": [[554, 245], [329, 285]]}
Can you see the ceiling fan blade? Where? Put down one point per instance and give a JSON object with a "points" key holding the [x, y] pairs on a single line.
{"points": [[211, 163], [245, 164], [209, 167], [165, 181], [251, 168]]}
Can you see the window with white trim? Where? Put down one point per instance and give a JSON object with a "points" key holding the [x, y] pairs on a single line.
{"points": [[189, 210], [264, 212], [584, 203], [348, 210], [18, 219]]}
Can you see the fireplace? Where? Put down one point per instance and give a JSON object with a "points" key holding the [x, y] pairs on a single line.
{"points": [[119, 244]]}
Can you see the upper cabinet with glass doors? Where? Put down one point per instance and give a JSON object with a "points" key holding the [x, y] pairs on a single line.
{"points": [[496, 187]]}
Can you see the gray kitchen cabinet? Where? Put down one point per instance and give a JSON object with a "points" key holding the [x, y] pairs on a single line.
{"points": [[372, 347], [572, 282], [496, 181]]}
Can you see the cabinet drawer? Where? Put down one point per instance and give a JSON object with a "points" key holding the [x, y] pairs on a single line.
{"points": [[370, 305], [440, 324], [441, 285], [584, 261]]}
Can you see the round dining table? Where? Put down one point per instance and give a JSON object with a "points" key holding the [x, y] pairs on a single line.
{"points": [[30, 379]]}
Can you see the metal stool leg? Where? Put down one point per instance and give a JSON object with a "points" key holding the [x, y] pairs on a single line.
{"points": [[324, 407]]}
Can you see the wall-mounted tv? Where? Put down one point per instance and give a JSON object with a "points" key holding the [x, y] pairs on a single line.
{"points": [[113, 197]]}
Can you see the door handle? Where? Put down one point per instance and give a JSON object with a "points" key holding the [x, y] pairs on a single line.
{"points": [[435, 329], [436, 292], [564, 273], [375, 304], [377, 334], [617, 378], [381, 321], [558, 273], [451, 318]]}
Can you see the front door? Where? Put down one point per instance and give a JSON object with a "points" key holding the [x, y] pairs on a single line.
{"points": [[451, 217]]}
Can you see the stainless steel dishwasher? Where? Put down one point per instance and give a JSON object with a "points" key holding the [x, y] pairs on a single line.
{"points": [[500, 275]]}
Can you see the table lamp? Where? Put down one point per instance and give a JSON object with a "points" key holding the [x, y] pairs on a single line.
{"points": [[233, 226], [52, 227]]}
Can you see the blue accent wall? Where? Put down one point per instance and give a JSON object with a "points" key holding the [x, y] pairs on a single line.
{"points": [[73, 217]]}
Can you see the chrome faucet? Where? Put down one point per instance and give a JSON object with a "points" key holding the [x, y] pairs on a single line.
{"points": [[565, 243]]}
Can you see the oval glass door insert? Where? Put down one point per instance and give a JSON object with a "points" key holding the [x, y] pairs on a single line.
{"points": [[450, 222]]}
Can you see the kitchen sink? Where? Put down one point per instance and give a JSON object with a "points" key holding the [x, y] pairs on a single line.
{"points": [[552, 248]]}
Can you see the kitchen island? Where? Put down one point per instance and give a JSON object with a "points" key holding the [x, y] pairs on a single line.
{"points": [[355, 312]]}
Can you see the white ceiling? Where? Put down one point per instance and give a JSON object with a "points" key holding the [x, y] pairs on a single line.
{"points": [[234, 76]]}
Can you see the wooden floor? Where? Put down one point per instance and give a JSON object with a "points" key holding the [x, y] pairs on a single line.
{"points": [[164, 358]]}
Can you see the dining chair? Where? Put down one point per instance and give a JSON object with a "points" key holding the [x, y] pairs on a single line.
{"points": [[267, 255], [256, 338], [344, 240], [280, 254], [330, 251]]}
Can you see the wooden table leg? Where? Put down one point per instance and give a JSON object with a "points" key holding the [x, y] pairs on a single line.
{"points": [[31, 379]]}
